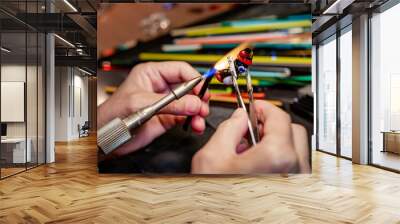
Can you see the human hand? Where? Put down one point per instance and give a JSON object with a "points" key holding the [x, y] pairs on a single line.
{"points": [[146, 84], [283, 147]]}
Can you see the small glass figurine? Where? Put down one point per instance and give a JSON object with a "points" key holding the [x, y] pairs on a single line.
{"points": [[243, 60], [237, 67]]}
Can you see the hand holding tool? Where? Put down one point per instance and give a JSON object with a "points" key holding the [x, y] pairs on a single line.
{"points": [[253, 137], [118, 131]]}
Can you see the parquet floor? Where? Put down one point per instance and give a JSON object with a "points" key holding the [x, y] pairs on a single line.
{"points": [[10, 171], [71, 191]]}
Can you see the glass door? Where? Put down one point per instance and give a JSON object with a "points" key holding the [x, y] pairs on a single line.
{"points": [[22, 77], [15, 149], [385, 89]]}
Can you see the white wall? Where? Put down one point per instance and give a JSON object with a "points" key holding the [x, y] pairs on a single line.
{"points": [[61, 103], [71, 93], [14, 73], [80, 97]]}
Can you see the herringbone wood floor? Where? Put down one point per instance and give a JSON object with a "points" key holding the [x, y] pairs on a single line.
{"points": [[71, 191]]}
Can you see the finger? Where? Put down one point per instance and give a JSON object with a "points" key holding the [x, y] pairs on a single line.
{"points": [[243, 146], [205, 109], [198, 124], [180, 119], [172, 71], [260, 128], [301, 147], [259, 159], [230, 132], [206, 96], [187, 105], [152, 129], [275, 121], [197, 89]]}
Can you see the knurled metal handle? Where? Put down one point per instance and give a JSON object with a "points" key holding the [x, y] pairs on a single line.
{"points": [[112, 135]]}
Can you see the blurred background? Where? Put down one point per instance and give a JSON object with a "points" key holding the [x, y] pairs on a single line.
{"points": [[282, 41], [201, 34]]}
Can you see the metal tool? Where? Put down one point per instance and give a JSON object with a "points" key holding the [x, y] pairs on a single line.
{"points": [[252, 109], [118, 131], [252, 121]]}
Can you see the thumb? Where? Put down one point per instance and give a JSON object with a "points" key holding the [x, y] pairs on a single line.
{"points": [[230, 132]]}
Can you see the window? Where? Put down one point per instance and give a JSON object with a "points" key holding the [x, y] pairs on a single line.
{"points": [[22, 101], [385, 89], [327, 95], [346, 75], [15, 147]]}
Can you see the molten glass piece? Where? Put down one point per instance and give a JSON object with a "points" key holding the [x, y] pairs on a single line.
{"points": [[243, 60]]}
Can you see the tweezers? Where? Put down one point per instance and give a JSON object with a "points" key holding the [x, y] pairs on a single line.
{"points": [[253, 136]]}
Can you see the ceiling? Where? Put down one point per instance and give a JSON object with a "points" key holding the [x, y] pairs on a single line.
{"points": [[72, 20], [39, 6]]}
